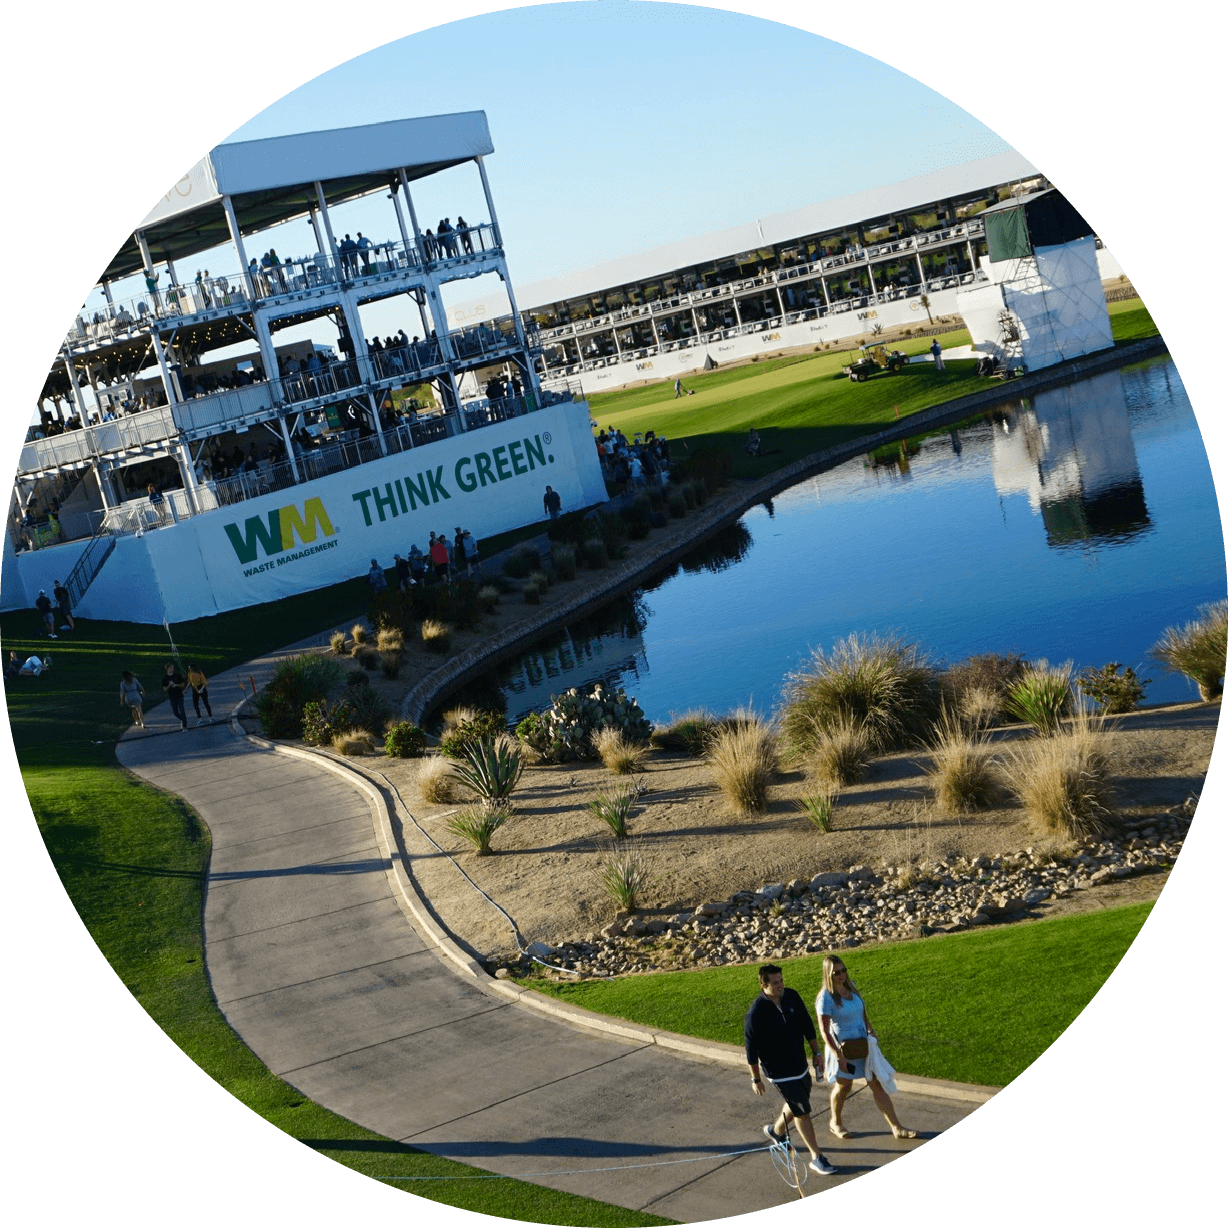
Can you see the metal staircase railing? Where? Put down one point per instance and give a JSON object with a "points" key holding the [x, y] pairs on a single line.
{"points": [[89, 564]]}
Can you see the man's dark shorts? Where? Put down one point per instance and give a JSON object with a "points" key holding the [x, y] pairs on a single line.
{"points": [[797, 1094]]}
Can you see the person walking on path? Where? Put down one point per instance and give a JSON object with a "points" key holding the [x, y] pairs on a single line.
{"points": [[936, 350], [846, 1032], [64, 605], [404, 581], [473, 560], [376, 578], [439, 556], [42, 603], [678, 388], [173, 684], [200, 691], [552, 503], [776, 1029], [132, 695]]}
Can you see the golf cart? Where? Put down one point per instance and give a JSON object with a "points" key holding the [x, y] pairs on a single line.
{"points": [[874, 358]]}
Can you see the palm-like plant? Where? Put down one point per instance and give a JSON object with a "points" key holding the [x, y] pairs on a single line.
{"points": [[491, 767]]}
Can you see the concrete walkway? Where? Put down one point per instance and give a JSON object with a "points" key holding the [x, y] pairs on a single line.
{"points": [[332, 971]]}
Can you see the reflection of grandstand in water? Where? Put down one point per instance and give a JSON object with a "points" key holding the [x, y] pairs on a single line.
{"points": [[1071, 452], [613, 658]]}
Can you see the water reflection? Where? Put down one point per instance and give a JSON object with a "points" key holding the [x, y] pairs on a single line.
{"points": [[1075, 525], [1070, 451]]}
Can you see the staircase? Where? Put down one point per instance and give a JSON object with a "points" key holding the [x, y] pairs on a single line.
{"points": [[89, 564]]}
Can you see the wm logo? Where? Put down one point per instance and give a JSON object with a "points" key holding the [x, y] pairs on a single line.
{"points": [[277, 532]]}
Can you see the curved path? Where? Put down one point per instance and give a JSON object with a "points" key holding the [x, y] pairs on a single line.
{"points": [[329, 967]]}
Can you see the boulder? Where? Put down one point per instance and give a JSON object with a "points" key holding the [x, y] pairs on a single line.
{"points": [[831, 878], [770, 891]]}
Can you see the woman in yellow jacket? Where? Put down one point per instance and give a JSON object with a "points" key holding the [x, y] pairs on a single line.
{"points": [[199, 686]]}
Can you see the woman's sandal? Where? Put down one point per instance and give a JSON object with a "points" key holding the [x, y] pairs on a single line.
{"points": [[838, 1131], [902, 1133]]}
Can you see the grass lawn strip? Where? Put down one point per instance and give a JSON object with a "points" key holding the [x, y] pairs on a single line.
{"points": [[975, 1008]]}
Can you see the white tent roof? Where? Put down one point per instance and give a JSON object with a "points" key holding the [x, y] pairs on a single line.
{"points": [[271, 180]]}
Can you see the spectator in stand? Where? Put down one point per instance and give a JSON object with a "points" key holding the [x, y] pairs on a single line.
{"points": [[462, 229], [364, 252]]}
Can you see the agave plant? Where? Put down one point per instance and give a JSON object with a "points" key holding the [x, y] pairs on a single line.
{"points": [[491, 767]]}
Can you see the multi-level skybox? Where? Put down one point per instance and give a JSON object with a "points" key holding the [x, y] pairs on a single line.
{"points": [[213, 431], [263, 372]]}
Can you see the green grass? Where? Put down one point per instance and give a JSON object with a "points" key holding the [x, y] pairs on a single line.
{"points": [[978, 1007], [801, 404], [133, 859]]}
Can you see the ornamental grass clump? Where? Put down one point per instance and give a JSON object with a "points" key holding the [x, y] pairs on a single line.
{"points": [[839, 753], [465, 726], [532, 592], [817, 809], [618, 752], [564, 555], [1041, 697], [692, 732], [884, 683], [336, 642], [390, 639], [980, 708], [358, 633], [488, 596], [1198, 649], [490, 767], [744, 759], [962, 774], [624, 875], [1063, 781], [436, 781], [352, 742], [614, 808], [565, 730], [478, 824], [436, 636]]}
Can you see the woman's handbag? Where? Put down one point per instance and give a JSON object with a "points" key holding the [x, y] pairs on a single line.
{"points": [[855, 1049]]}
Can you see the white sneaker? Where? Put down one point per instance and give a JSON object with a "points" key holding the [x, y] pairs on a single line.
{"points": [[820, 1165]]}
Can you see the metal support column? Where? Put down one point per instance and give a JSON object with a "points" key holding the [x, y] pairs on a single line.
{"points": [[490, 204], [236, 237], [379, 426], [285, 436], [334, 253], [413, 215]]}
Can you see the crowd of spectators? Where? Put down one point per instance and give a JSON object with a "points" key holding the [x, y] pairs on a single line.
{"points": [[641, 461]]}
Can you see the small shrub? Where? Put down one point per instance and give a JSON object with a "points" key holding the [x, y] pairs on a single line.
{"points": [[294, 684], [618, 752], [840, 752], [436, 783], [490, 767], [624, 875], [817, 809], [564, 554], [404, 741], [541, 579], [367, 657], [980, 708], [692, 732], [744, 759], [987, 671], [1041, 697], [436, 636], [488, 595], [318, 726], [613, 530], [677, 505], [336, 643], [1198, 649], [357, 678], [614, 808], [363, 708], [478, 824], [474, 727], [532, 592], [390, 664], [962, 775], [358, 633], [689, 496], [1114, 693], [1063, 781]]}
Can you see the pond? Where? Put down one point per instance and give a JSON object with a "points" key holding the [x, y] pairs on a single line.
{"points": [[1073, 525]]}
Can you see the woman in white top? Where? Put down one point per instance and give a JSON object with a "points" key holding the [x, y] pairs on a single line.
{"points": [[845, 1025]]}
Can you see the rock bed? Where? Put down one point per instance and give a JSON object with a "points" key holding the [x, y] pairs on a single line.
{"points": [[848, 908]]}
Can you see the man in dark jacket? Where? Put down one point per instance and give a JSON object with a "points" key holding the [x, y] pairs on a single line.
{"points": [[777, 1028], [173, 684]]}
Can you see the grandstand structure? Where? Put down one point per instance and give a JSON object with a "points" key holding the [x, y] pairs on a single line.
{"points": [[185, 462], [887, 257]]}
